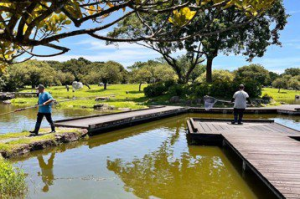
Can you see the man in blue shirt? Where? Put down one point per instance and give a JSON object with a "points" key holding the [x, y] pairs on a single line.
{"points": [[45, 109]]}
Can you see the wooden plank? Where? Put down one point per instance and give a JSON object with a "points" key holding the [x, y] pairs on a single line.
{"points": [[205, 127], [123, 117], [267, 150]]}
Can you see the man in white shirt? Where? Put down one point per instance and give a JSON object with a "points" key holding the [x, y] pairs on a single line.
{"points": [[240, 99]]}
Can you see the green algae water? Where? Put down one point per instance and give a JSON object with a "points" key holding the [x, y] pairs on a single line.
{"points": [[151, 160], [25, 120]]}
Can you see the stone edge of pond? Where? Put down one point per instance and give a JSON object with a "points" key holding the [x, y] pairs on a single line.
{"points": [[59, 138]]}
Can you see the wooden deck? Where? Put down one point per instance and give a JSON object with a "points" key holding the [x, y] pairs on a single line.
{"points": [[283, 109], [264, 146], [102, 122]]}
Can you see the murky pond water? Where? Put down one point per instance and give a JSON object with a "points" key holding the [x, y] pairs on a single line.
{"points": [[152, 160], [26, 119]]}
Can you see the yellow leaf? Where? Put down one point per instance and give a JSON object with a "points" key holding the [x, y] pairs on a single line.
{"points": [[110, 4], [91, 9]]}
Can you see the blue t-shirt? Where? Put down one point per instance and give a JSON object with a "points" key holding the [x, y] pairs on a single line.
{"points": [[44, 97]]}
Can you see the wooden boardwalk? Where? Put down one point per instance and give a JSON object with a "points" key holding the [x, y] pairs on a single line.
{"points": [[102, 122], [265, 147], [283, 109]]}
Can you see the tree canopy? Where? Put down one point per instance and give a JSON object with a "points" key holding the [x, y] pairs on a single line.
{"points": [[254, 72], [27, 24], [250, 40]]}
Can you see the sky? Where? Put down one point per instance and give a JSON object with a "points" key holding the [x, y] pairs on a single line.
{"points": [[276, 58]]}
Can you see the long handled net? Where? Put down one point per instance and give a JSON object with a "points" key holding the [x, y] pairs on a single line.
{"points": [[209, 102], [31, 107]]}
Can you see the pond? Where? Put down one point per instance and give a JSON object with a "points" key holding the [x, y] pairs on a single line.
{"points": [[25, 120], [151, 160]]}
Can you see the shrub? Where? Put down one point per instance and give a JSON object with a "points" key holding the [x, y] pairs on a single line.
{"points": [[253, 72], [217, 76], [155, 90], [169, 83], [12, 181], [177, 90], [252, 87]]}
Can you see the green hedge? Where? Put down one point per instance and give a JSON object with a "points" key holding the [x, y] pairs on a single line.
{"points": [[198, 90]]}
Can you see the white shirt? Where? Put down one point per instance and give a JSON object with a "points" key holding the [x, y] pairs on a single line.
{"points": [[240, 99]]}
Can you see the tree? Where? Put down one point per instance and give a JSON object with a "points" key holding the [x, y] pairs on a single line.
{"points": [[254, 72], [31, 73], [163, 73], [196, 45], [219, 76], [65, 78], [27, 24], [141, 75], [110, 73], [78, 67], [294, 82], [250, 40], [292, 71], [2, 83], [183, 65], [197, 72], [273, 76], [279, 83]]}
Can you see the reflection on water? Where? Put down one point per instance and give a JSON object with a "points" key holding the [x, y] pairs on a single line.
{"points": [[46, 171], [200, 172], [26, 119], [152, 160]]}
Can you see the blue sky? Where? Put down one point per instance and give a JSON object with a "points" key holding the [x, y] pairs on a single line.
{"points": [[276, 58]]}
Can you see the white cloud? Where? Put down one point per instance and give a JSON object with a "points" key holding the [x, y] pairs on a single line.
{"points": [[124, 53], [125, 57], [94, 44]]}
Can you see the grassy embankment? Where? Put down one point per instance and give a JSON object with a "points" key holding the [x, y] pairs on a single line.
{"points": [[120, 96], [284, 96], [127, 96], [12, 180], [11, 142]]}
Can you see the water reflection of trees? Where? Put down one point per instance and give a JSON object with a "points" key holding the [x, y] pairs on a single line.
{"points": [[198, 173]]}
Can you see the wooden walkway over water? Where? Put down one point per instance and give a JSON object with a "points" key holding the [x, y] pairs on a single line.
{"points": [[269, 149], [101, 122], [283, 109], [97, 123]]}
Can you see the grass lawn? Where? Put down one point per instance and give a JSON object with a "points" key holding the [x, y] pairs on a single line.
{"points": [[286, 96], [12, 141], [120, 96], [126, 96]]}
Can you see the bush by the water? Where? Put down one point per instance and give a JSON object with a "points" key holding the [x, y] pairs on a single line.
{"points": [[156, 89], [12, 181], [198, 90]]}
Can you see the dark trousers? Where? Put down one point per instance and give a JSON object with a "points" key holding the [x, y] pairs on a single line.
{"points": [[238, 114], [39, 120]]}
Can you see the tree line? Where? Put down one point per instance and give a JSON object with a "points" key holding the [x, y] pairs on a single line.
{"points": [[55, 73]]}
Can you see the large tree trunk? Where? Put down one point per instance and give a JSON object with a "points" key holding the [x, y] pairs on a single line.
{"points": [[279, 90], [105, 85], [140, 87], [209, 69]]}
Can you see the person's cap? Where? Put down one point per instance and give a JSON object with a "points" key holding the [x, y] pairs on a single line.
{"points": [[40, 86], [242, 86]]}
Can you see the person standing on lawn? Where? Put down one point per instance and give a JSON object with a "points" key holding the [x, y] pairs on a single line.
{"points": [[45, 109], [239, 99]]}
